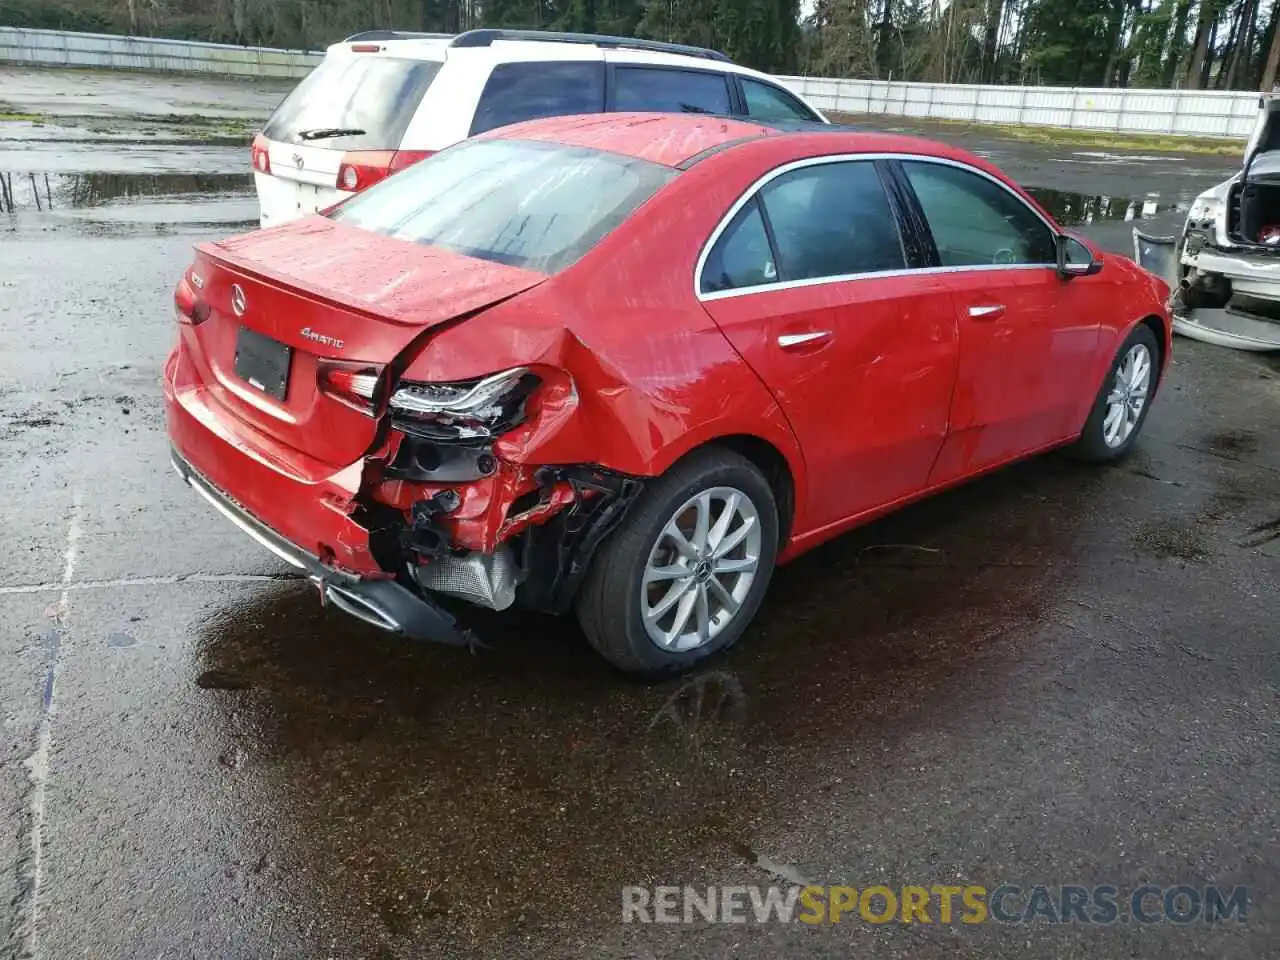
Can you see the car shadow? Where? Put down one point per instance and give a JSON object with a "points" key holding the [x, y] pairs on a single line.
{"points": [[418, 781]]}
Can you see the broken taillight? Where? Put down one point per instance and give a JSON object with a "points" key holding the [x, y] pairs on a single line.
{"points": [[188, 308], [471, 409], [261, 155], [361, 169], [354, 384]]}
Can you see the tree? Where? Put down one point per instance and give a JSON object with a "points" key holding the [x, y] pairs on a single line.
{"points": [[1070, 42], [1273, 57], [1206, 24], [991, 39], [844, 44], [1177, 44], [1240, 55], [1229, 44]]}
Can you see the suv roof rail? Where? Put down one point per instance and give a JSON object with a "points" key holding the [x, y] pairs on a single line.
{"points": [[486, 37], [397, 35]]}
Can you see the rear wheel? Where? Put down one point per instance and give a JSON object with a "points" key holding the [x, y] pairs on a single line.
{"points": [[684, 576], [1122, 404]]}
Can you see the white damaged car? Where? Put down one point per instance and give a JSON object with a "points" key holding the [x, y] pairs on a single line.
{"points": [[1224, 268]]}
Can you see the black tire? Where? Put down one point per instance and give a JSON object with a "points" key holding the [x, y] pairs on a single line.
{"points": [[609, 603], [1092, 446]]}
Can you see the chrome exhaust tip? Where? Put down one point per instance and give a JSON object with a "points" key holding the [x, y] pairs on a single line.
{"points": [[360, 608]]}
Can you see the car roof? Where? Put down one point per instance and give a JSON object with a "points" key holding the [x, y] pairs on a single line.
{"points": [[503, 42], [682, 139], [519, 45], [664, 138]]}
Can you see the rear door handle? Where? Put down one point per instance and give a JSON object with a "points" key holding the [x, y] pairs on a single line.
{"points": [[791, 341], [988, 311]]}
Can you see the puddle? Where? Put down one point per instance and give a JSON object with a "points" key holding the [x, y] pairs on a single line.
{"points": [[1124, 157], [131, 200], [1071, 209], [223, 680], [61, 191], [1232, 443]]}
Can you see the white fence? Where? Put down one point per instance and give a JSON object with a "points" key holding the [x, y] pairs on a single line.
{"points": [[55, 48], [1176, 112], [1212, 113]]}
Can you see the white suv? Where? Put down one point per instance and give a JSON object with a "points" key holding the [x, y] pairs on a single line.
{"points": [[382, 100], [1224, 268]]}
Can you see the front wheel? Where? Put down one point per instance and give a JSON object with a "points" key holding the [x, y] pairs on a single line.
{"points": [[1122, 404], [685, 574]]}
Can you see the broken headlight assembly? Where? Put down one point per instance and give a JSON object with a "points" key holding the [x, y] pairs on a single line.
{"points": [[465, 410]]}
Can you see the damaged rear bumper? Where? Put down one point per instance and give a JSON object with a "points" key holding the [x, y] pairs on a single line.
{"points": [[1255, 275], [1228, 299], [383, 603]]}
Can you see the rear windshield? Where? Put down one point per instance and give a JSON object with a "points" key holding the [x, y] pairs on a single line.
{"points": [[372, 94], [538, 206]]}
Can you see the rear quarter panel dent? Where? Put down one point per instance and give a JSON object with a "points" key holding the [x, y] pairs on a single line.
{"points": [[653, 376]]}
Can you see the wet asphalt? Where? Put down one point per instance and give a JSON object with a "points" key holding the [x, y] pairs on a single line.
{"points": [[1057, 674]]}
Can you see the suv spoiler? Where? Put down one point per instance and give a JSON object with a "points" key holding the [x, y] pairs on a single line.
{"points": [[396, 35], [486, 37]]}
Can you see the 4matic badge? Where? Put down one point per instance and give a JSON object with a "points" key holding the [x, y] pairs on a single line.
{"points": [[310, 334]]}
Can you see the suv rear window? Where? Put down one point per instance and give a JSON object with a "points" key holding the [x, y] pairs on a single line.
{"points": [[539, 206], [374, 94], [546, 88]]}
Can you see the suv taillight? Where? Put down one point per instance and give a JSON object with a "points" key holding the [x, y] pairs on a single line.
{"points": [[363, 168], [261, 157]]}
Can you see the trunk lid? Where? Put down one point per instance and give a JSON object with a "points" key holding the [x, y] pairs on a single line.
{"points": [[320, 291]]}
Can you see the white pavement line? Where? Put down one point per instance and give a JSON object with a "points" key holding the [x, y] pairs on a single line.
{"points": [[149, 582], [38, 762]]}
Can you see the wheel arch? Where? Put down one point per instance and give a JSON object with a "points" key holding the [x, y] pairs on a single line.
{"points": [[1107, 357], [769, 460], [778, 469], [1163, 333]]}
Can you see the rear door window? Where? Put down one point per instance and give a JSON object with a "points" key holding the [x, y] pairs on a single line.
{"points": [[547, 88], [832, 220], [767, 102], [360, 102], [534, 205], [670, 91]]}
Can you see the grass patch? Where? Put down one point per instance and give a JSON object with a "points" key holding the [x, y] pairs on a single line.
{"points": [[1068, 136], [10, 112], [218, 134], [200, 128]]}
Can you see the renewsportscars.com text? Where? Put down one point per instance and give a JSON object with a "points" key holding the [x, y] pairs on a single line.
{"points": [[1102, 904]]}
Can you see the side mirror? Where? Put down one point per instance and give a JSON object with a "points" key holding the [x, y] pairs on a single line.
{"points": [[1075, 259]]}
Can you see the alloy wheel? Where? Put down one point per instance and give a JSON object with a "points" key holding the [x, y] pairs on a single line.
{"points": [[700, 569], [1128, 396]]}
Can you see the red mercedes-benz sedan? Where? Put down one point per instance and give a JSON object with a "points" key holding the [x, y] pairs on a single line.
{"points": [[626, 364]]}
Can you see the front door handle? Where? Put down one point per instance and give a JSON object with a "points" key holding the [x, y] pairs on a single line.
{"points": [[790, 341], [989, 311]]}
